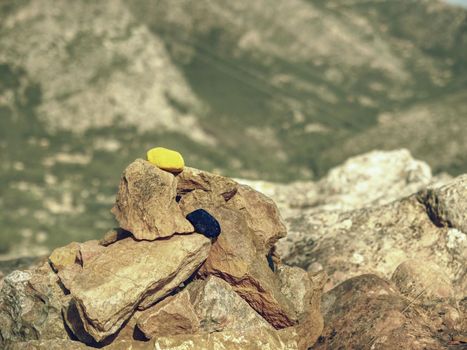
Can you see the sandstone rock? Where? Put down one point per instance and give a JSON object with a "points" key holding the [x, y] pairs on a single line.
{"points": [[204, 306], [234, 258], [68, 274], [174, 315], [250, 224], [30, 306], [166, 159], [47, 344], [367, 312], [113, 236], [228, 340], [372, 240], [88, 251], [219, 308], [219, 188], [131, 274], [146, 204], [262, 217], [64, 256], [61, 344], [422, 282], [304, 291], [125, 288], [447, 205]]}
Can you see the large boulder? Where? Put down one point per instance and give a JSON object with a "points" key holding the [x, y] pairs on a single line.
{"points": [[447, 205], [129, 275], [146, 202], [368, 312], [371, 214], [30, 306], [375, 240]]}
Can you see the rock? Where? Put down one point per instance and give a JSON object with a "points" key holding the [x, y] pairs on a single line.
{"points": [[174, 315], [68, 274], [219, 308], [47, 344], [228, 340], [204, 223], [219, 189], [262, 217], [367, 312], [108, 290], [233, 257], [166, 159], [64, 256], [151, 288], [30, 306], [146, 204], [60, 344], [356, 221], [374, 178], [211, 306], [89, 250], [250, 225], [372, 240], [424, 283], [208, 306], [304, 291], [113, 236], [447, 205]]}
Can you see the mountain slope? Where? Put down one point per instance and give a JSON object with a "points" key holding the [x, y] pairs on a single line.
{"points": [[277, 90]]}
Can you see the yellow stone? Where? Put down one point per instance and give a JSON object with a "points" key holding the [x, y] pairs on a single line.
{"points": [[166, 159]]}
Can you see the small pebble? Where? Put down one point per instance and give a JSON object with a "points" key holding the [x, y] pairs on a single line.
{"points": [[204, 223], [166, 159]]}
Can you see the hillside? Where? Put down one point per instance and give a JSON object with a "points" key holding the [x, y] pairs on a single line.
{"points": [[251, 90]]}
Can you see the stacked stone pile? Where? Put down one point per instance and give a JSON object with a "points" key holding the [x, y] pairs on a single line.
{"points": [[156, 282]]}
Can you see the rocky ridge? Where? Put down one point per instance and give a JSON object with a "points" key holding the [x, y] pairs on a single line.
{"points": [[155, 283], [383, 215], [383, 235]]}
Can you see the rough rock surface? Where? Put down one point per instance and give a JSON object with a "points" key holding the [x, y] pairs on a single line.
{"points": [[209, 306], [447, 205], [423, 282], [371, 214], [233, 257], [146, 204], [229, 340], [398, 226], [131, 274], [251, 225], [147, 286], [30, 306], [367, 312], [64, 256], [174, 315]]}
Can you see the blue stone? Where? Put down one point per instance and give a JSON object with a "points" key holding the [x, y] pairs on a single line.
{"points": [[204, 223]]}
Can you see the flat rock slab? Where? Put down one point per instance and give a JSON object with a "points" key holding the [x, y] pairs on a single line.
{"points": [[146, 204], [130, 274]]}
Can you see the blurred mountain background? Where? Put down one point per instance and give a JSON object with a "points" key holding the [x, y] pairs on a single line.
{"points": [[274, 90]]}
